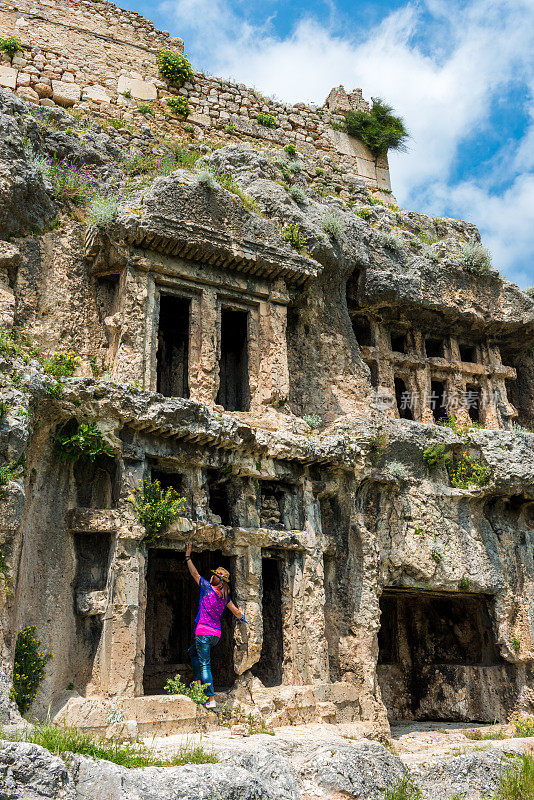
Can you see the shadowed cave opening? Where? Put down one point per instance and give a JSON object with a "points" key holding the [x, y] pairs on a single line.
{"points": [[430, 645], [438, 400], [434, 347], [473, 402], [173, 346], [403, 399], [172, 604], [234, 391], [269, 667]]}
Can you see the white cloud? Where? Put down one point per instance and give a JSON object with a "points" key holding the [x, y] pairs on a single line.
{"points": [[441, 64]]}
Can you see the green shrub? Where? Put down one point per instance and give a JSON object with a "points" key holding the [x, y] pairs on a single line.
{"points": [[464, 584], [175, 68], [4, 409], [450, 421], [464, 471], [195, 692], [178, 105], [156, 508], [8, 472], [29, 668], [332, 226], [291, 150], [364, 213], [377, 448], [379, 129], [227, 182], [391, 242], [518, 781], [475, 258], [189, 129], [206, 179], [523, 725], [145, 110], [291, 233], [267, 120], [313, 420], [127, 94], [404, 789], [295, 167], [515, 641], [11, 45], [62, 365], [85, 442], [436, 455], [63, 739], [103, 210], [297, 194]]}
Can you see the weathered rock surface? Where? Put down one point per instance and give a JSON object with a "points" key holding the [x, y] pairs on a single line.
{"points": [[29, 772]]}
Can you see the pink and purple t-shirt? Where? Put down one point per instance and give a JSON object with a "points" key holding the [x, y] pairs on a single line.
{"points": [[210, 608]]}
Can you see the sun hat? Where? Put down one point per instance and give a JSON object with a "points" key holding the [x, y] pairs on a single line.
{"points": [[222, 574]]}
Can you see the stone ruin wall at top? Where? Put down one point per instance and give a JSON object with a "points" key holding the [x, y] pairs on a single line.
{"points": [[85, 54]]}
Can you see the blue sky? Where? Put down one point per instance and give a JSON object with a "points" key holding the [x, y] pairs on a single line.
{"points": [[461, 73]]}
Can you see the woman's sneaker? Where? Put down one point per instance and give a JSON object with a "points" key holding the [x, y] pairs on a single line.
{"points": [[210, 704]]}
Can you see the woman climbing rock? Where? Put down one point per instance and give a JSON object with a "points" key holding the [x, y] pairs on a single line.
{"points": [[214, 598]]}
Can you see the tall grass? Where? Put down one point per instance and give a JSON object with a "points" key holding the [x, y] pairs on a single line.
{"points": [[518, 781], [405, 789], [62, 739]]}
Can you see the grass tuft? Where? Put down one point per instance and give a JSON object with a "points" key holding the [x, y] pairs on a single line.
{"points": [[63, 739], [405, 789], [518, 781]]}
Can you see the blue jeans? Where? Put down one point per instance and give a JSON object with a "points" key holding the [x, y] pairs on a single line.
{"points": [[200, 656]]}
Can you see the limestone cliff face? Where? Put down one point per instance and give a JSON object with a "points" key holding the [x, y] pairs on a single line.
{"points": [[290, 393]]}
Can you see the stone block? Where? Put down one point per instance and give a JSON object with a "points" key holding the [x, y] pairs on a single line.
{"points": [[25, 93], [200, 119], [8, 77], [66, 94], [141, 90], [96, 93], [23, 79], [42, 89]]}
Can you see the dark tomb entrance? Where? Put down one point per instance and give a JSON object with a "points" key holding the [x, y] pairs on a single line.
{"points": [[172, 604], [173, 346], [233, 372], [437, 655], [269, 667], [403, 399], [438, 400]]}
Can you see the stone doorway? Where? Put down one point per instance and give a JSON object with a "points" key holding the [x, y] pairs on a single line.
{"points": [[173, 346], [234, 389], [438, 658], [269, 667], [172, 603]]}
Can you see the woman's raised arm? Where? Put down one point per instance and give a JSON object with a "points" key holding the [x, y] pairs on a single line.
{"points": [[190, 566]]}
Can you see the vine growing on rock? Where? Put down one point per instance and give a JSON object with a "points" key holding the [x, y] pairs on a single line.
{"points": [[156, 508], [85, 442], [29, 668]]}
